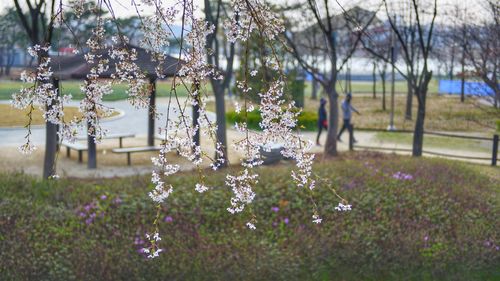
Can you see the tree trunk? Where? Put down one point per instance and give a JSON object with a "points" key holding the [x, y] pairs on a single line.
{"points": [[409, 102], [333, 120], [315, 86], [11, 56], [418, 134], [1, 61], [49, 163], [350, 80], [497, 97], [493, 84], [91, 149], [382, 76], [374, 81], [220, 112], [393, 93], [462, 80], [452, 63], [152, 112], [196, 114], [346, 87]]}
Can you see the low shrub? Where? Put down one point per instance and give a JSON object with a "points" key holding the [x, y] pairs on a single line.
{"points": [[412, 219], [307, 120]]}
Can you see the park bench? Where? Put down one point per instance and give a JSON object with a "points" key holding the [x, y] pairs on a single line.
{"points": [[75, 146], [130, 150], [271, 156], [112, 136]]}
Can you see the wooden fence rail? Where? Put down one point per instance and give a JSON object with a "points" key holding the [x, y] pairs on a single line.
{"points": [[494, 140]]}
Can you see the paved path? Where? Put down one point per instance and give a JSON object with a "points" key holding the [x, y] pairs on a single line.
{"points": [[133, 121]]}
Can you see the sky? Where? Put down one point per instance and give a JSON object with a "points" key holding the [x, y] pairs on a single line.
{"points": [[123, 7]]}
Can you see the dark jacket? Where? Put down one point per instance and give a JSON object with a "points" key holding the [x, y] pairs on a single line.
{"points": [[321, 115]]}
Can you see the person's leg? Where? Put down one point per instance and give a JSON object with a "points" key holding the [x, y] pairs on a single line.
{"points": [[319, 133], [342, 129], [350, 128]]}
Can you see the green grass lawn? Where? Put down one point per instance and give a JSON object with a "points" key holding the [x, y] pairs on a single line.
{"points": [[437, 141], [7, 88], [440, 225], [443, 113], [366, 87]]}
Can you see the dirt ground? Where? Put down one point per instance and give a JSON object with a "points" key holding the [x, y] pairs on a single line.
{"points": [[115, 165], [109, 164]]}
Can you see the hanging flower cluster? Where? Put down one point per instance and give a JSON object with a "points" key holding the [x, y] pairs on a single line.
{"points": [[182, 133], [249, 16], [43, 94], [94, 88], [128, 72]]}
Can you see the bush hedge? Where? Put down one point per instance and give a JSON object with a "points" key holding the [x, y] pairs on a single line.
{"points": [[307, 120]]}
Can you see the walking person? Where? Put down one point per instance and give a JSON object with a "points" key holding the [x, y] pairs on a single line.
{"points": [[322, 123], [347, 110]]}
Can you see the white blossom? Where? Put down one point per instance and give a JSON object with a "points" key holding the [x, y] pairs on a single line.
{"points": [[317, 219], [343, 208], [251, 226], [279, 117], [201, 188]]}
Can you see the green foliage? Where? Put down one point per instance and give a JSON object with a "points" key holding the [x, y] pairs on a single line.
{"points": [[307, 120], [498, 125], [293, 90], [441, 225], [252, 118]]}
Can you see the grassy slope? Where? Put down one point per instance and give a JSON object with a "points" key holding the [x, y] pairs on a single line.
{"points": [[440, 226]]}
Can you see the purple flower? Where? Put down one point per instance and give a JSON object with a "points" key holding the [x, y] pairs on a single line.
{"points": [[275, 209], [426, 238], [286, 220], [402, 176], [275, 224], [117, 200], [82, 214], [168, 219], [104, 197], [88, 221], [87, 207]]}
